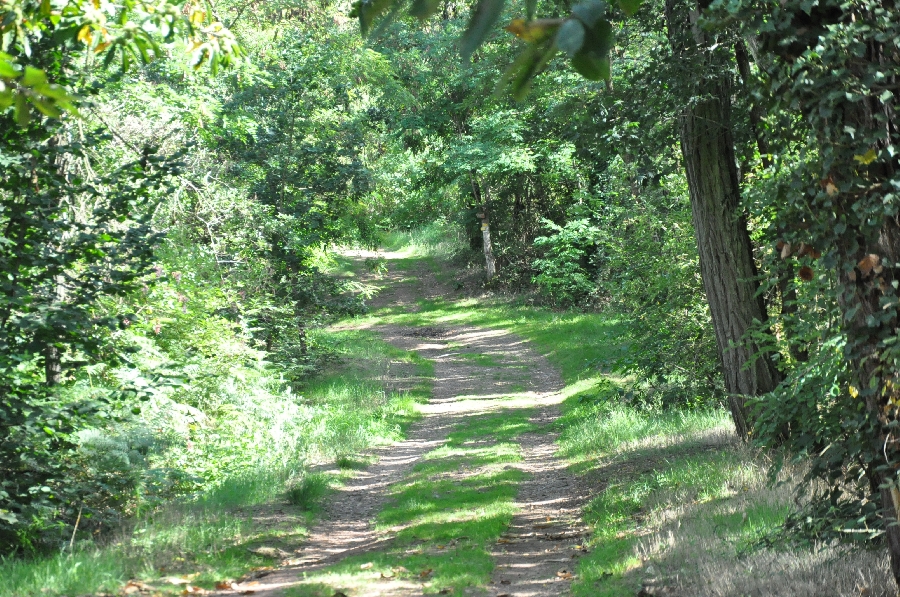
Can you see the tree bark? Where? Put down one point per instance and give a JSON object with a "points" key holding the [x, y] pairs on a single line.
{"points": [[726, 256], [52, 366], [490, 263]]}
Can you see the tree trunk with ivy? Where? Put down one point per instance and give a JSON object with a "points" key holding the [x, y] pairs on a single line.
{"points": [[838, 65], [868, 260], [726, 255]]}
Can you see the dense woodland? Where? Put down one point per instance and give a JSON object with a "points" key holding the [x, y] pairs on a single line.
{"points": [[721, 179]]}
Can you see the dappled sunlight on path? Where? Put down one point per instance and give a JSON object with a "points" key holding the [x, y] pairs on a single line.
{"points": [[473, 502]]}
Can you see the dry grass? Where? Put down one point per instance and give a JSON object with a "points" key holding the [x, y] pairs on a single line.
{"points": [[713, 548], [687, 510]]}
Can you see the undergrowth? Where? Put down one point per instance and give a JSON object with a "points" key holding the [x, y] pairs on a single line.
{"points": [[365, 397]]}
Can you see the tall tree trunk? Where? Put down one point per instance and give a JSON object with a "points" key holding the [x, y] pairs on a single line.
{"points": [[726, 257], [52, 366], [867, 271], [490, 263]]}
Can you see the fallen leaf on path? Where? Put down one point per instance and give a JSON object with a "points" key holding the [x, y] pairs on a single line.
{"points": [[192, 590], [399, 569], [135, 586], [564, 574], [258, 572], [441, 546], [366, 566], [225, 585], [386, 576], [175, 580], [426, 573], [502, 540], [268, 552]]}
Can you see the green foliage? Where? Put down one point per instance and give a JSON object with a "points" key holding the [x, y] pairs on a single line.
{"points": [[132, 32], [829, 202], [176, 289], [306, 491], [68, 242], [564, 269]]}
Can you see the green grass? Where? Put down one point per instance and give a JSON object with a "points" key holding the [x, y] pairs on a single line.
{"points": [[306, 490], [436, 241], [367, 396], [481, 359], [579, 344], [355, 406], [445, 514], [205, 541], [679, 497]]}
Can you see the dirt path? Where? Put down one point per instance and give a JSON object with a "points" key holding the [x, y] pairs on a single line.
{"points": [[535, 556]]}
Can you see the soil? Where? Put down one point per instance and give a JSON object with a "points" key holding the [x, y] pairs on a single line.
{"points": [[536, 555]]}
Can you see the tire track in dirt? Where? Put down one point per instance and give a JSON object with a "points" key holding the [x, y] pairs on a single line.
{"points": [[536, 554]]}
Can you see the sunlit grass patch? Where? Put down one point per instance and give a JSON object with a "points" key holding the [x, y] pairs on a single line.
{"points": [[446, 512], [481, 359], [368, 397], [598, 425], [345, 462], [306, 490], [439, 239], [579, 344]]}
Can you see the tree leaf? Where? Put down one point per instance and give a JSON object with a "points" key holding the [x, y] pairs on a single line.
{"points": [[9, 69], [33, 76], [369, 10], [590, 12], [533, 31], [866, 158], [22, 111], [570, 37], [46, 108], [599, 39], [629, 7], [484, 17], [424, 8], [527, 65], [590, 67]]}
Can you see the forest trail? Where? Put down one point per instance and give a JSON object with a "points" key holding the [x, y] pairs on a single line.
{"points": [[484, 380]]}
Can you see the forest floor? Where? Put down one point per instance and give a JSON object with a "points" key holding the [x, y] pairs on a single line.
{"points": [[528, 475], [477, 446], [474, 501]]}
